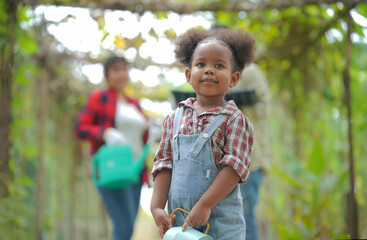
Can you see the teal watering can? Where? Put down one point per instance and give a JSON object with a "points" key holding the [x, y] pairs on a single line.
{"points": [[190, 233], [114, 166]]}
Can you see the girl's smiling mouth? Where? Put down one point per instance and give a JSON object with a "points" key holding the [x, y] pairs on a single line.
{"points": [[208, 80]]}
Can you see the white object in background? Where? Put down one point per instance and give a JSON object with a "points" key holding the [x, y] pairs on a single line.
{"points": [[112, 136]]}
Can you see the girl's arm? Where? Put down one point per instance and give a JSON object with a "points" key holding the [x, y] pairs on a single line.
{"points": [[223, 184], [160, 195]]}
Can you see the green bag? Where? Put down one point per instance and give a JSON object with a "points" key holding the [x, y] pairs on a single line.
{"points": [[114, 167]]}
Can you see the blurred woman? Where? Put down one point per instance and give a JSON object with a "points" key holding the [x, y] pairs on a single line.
{"points": [[110, 117]]}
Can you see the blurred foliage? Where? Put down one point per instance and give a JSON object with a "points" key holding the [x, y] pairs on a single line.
{"points": [[304, 190], [186, 87]]}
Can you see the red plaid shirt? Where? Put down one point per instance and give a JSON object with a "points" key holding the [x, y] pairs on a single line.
{"points": [[232, 141], [97, 115]]}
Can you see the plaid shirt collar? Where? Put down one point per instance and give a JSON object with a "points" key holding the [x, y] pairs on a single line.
{"points": [[227, 107]]}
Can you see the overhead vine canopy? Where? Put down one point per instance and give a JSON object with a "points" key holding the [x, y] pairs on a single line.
{"points": [[189, 6], [302, 48]]}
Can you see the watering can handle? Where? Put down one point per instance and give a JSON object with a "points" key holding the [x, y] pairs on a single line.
{"points": [[183, 210]]}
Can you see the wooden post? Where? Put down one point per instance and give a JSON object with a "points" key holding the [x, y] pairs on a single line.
{"points": [[40, 187], [352, 208], [6, 77]]}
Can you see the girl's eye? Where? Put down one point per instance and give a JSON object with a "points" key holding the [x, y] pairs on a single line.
{"points": [[200, 64], [219, 66]]}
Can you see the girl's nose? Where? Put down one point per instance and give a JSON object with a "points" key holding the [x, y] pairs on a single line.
{"points": [[209, 70]]}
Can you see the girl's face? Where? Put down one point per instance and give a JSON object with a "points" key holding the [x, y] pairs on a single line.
{"points": [[211, 71], [117, 76]]}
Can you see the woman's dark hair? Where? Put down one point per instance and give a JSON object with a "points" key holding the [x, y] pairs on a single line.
{"points": [[240, 42], [110, 61]]}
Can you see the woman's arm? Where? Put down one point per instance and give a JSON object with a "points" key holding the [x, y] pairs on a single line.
{"points": [[162, 184], [86, 126], [223, 184]]}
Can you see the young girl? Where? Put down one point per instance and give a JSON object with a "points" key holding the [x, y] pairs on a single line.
{"points": [[206, 145]]}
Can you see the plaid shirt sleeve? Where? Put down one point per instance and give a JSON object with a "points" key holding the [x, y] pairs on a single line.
{"points": [[163, 156], [238, 147], [86, 125]]}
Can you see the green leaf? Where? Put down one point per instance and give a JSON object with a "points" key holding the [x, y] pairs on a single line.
{"points": [[2, 42], [316, 160], [22, 14], [287, 178], [161, 15], [28, 45]]}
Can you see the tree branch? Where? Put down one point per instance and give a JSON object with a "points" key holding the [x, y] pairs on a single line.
{"points": [[328, 25]]}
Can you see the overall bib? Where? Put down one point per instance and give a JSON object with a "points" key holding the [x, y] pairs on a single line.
{"points": [[193, 172]]}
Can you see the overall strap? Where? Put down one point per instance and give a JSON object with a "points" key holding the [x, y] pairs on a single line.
{"points": [[176, 121], [206, 134], [176, 126]]}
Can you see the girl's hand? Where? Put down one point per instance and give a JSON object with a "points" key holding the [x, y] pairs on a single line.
{"points": [[223, 184], [162, 220], [199, 216]]}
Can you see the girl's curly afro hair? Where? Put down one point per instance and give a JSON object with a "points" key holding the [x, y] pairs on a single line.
{"points": [[240, 42]]}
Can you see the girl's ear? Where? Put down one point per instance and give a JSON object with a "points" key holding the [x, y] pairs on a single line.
{"points": [[234, 79], [188, 75]]}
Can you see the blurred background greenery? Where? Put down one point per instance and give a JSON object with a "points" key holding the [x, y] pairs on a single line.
{"points": [[309, 51]]}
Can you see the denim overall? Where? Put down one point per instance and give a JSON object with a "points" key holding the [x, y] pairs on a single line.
{"points": [[194, 170]]}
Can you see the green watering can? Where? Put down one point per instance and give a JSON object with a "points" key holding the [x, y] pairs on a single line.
{"points": [[190, 233], [114, 166]]}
